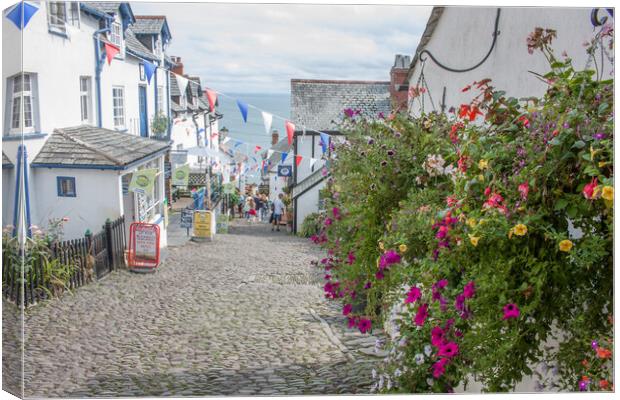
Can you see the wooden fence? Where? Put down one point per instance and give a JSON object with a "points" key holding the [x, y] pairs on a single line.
{"points": [[67, 265]]}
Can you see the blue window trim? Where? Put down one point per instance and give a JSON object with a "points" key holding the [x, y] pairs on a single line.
{"points": [[58, 33], [26, 136], [59, 180]]}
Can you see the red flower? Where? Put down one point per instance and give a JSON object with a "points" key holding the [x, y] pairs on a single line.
{"points": [[589, 190], [524, 190], [474, 111], [421, 315], [364, 325], [463, 111], [466, 88], [487, 191]]}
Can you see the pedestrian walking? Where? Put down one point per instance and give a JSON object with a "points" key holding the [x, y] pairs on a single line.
{"points": [[278, 211], [259, 207]]}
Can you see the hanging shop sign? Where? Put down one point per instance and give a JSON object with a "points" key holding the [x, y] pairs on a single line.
{"points": [[180, 175], [143, 180], [285, 170], [143, 246], [202, 224]]}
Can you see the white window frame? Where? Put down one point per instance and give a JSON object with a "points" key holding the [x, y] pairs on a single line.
{"points": [[18, 99], [118, 119], [115, 36], [86, 99], [54, 22], [160, 99], [73, 13]]}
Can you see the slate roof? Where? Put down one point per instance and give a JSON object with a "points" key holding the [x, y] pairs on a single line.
{"points": [[106, 7], [319, 104], [176, 107], [89, 146], [6, 163], [133, 45], [174, 86], [148, 24]]}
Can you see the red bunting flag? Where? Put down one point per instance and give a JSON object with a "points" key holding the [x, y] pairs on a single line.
{"points": [[212, 97], [298, 160], [257, 149], [290, 130], [214, 134], [110, 51]]}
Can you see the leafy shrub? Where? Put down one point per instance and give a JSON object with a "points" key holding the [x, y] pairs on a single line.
{"points": [[311, 225]]}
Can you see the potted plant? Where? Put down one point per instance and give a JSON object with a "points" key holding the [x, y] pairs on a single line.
{"points": [[159, 126]]}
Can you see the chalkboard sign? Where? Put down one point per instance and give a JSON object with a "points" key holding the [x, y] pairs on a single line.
{"points": [[186, 218]]}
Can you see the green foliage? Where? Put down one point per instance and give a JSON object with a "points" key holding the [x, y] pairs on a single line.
{"points": [[311, 225], [520, 207], [159, 124]]}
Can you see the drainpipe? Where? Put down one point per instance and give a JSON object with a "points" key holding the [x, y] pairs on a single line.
{"points": [[98, 68], [168, 104]]}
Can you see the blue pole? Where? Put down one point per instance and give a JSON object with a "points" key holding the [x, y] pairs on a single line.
{"points": [[168, 103], [27, 192], [17, 189], [98, 67]]}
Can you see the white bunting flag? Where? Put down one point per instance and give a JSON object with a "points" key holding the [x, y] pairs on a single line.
{"points": [[182, 82], [269, 153], [226, 139], [312, 161], [267, 119]]}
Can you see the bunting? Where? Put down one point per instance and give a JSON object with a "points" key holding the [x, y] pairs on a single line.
{"points": [[257, 149], [269, 153], [324, 141], [212, 97], [243, 108], [267, 119], [298, 159], [149, 70], [226, 140], [21, 14], [110, 51], [182, 83], [284, 155], [290, 131]]}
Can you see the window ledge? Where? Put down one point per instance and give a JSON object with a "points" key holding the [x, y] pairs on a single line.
{"points": [[56, 31], [25, 136]]}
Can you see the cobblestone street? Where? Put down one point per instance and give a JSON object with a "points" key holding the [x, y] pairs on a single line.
{"points": [[242, 315]]}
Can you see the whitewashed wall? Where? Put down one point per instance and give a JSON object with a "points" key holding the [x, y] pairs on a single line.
{"points": [[8, 195], [304, 148], [308, 203], [462, 38], [98, 197]]}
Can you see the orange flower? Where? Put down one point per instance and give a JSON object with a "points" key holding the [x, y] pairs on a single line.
{"points": [[603, 384], [585, 363], [603, 353]]}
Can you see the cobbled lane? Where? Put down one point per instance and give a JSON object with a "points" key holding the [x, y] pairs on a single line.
{"points": [[242, 315]]}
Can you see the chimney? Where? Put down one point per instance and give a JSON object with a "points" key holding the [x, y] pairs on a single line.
{"points": [[275, 137], [178, 65], [398, 75]]}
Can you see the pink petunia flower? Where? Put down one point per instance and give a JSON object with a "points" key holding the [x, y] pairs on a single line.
{"points": [[336, 212], [350, 258], [413, 295], [469, 290], [439, 368], [364, 325], [524, 190], [449, 350], [328, 221], [437, 336], [421, 315], [388, 258], [351, 322], [368, 285], [511, 310], [346, 310]]}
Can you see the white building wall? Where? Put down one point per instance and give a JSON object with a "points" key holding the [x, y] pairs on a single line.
{"points": [[97, 198], [8, 195], [308, 203], [304, 148], [462, 38]]}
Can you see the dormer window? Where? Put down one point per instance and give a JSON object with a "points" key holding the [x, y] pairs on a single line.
{"points": [[115, 36]]}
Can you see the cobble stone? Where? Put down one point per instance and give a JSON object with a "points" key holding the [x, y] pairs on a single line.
{"points": [[193, 329]]}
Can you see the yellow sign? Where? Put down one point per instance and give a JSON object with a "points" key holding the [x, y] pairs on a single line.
{"points": [[202, 224]]}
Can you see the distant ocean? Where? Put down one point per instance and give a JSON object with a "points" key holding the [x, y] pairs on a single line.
{"points": [[253, 132]]}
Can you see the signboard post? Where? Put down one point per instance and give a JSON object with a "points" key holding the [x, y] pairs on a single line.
{"points": [[143, 247], [202, 225]]}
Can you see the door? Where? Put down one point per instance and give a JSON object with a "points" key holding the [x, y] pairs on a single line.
{"points": [[144, 122]]}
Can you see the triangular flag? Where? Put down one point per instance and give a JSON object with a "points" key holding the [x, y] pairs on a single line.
{"points": [[290, 131], [238, 143], [226, 139], [182, 83], [324, 141], [110, 51], [25, 9], [312, 161], [267, 119], [244, 110], [212, 97], [298, 160], [149, 70], [257, 149], [269, 153], [284, 155]]}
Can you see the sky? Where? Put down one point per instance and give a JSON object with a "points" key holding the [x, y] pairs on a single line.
{"points": [[259, 48]]}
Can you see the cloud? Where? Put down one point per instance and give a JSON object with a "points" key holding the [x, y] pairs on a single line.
{"points": [[259, 48]]}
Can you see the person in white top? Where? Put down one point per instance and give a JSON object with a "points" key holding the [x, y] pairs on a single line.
{"points": [[278, 210]]}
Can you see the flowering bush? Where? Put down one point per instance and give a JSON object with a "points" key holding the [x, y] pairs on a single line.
{"points": [[482, 249]]}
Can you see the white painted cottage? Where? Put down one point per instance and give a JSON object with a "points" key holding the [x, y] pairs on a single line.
{"points": [[272, 161], [319, 105], [490, 42], [74, 105]]}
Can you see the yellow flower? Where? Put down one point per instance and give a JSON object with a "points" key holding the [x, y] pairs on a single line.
{"points": [[474, 240], [520, 230], [483, 164], [381, 246], [566, 245], [471, 222], [481, 178], [402, 248], [608, 193], [511, 232], [601, 164]]}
